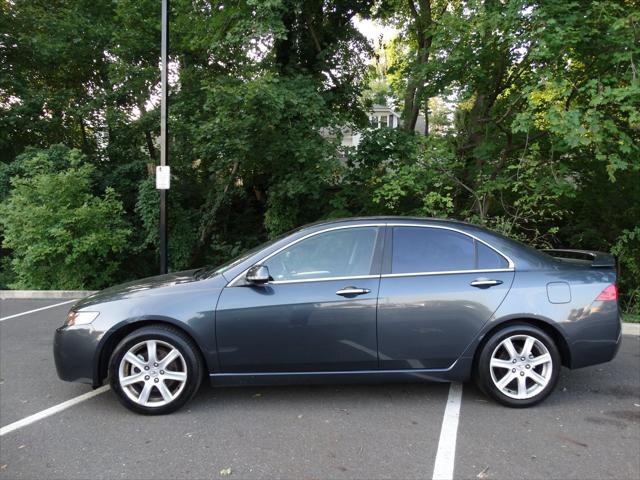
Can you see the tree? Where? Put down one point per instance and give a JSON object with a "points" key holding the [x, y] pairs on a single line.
{"points": [[415, 64], [62, 236], [531, 106]]}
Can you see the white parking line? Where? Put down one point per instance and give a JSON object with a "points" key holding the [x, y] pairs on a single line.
{"points": [[51, 411], [446, 455], [38, 309]]}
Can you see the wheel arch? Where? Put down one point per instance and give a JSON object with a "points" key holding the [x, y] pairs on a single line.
{"points": [[118, 333], [546, 326]]}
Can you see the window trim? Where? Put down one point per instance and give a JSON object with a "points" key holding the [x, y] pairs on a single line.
{"points": [[444, 272], [384, 235], [322, 279], [389, 254]]}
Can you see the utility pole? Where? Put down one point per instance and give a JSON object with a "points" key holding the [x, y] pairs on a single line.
{"points": [[163, 175]]}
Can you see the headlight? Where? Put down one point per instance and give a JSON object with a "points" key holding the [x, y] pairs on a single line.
{"points": [[81, 318]]}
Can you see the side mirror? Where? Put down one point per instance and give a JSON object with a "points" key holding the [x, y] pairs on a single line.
{"points": [[258, 274]]}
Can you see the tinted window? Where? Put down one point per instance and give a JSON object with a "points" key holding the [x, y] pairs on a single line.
{"points": [[488, 258], [417, 249], [338, 253]]}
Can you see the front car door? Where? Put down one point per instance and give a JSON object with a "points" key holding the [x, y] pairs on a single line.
{"points": [[318, 314], [438, 288]]}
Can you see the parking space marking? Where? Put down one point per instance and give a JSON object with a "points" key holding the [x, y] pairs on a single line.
{"points": [[51, 410], [37, 309], [446, 454]]}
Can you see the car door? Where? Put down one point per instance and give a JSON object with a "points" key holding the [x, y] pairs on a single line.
{"points": [[317, 314], [439, 287]]}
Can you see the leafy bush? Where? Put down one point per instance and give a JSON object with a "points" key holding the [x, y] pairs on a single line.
{"points": [[627, 250], [61, 234], [181, 227], [394, 172]]}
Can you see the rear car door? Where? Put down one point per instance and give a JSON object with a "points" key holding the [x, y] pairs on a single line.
{"points": [[318, 314], [439, 286]]}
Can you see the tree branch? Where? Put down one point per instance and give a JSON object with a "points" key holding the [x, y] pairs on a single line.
{"points": [[205, 231]]}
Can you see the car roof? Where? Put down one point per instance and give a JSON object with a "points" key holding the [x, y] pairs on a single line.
{"points": [[392, 218]]}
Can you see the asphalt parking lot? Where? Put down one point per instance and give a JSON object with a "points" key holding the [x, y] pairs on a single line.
{"points": [[588, 429]]}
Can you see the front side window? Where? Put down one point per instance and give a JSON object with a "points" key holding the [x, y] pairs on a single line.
{"points": [[383, 120], [345, 252]]}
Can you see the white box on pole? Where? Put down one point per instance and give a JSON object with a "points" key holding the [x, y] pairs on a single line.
{"points": [[163, 177]]}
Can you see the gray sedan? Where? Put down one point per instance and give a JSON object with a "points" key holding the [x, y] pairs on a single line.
{"points": [[358, 300]]}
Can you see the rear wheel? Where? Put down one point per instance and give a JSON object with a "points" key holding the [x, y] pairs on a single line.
{"points": [[155, 370], [519, 366]]}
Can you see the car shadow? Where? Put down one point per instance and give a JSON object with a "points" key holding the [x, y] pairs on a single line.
{"points": [[254, 397]]}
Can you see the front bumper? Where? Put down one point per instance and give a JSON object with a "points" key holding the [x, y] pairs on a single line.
{"points": [[75, 353]]}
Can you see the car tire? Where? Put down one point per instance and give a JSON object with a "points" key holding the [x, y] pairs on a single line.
{"points": [[518, 366], [155, 370]]}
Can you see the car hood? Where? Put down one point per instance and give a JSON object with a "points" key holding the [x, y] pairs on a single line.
{"points": [[143, 287]]}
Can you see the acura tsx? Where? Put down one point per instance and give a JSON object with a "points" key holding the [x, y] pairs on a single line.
{"points": [[357, 300]]}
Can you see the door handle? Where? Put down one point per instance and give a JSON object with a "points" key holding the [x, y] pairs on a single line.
{"points": [[485, 283], [349, 291]]}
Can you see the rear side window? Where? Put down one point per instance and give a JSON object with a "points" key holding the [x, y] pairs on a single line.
{"points": [[489, 259], [418, 249]]}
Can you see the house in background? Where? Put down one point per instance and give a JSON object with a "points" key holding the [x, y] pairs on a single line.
{"points": [[380, 116]]}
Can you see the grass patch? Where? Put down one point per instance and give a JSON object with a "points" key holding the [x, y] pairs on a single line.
{"points": [[631, 317]]}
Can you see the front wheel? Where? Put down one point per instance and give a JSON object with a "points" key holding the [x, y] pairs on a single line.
{"points": [[155, 370], [519, 366]]}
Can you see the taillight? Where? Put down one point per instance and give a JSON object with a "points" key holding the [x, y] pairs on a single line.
{"points": [[608, 294]]}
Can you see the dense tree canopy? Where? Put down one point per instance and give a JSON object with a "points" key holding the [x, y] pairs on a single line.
{"points": [[532, 112]]}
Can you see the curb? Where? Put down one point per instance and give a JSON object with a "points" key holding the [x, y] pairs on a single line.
{"points": [[44, 294], [631, 328]]}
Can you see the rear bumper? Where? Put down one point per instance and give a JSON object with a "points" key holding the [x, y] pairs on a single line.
{"points": [[74, 351], [598, 344]]}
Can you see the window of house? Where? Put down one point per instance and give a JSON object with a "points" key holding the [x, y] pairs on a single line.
{"points": [[383, 120], [374, 121], [391, 118]]}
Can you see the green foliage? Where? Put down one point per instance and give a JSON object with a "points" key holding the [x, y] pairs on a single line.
{"points": [[394, 172], [181, 240], [627, 250], [532, 107], [61, 235], [275, 146]]}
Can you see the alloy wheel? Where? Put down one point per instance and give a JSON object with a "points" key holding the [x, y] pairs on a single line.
{"points": [[521, 366], [152, 373]]}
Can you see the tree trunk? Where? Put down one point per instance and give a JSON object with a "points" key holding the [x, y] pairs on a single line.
{"points": [[147, 135], [426, 117], [422, 24], [214, 204]]}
